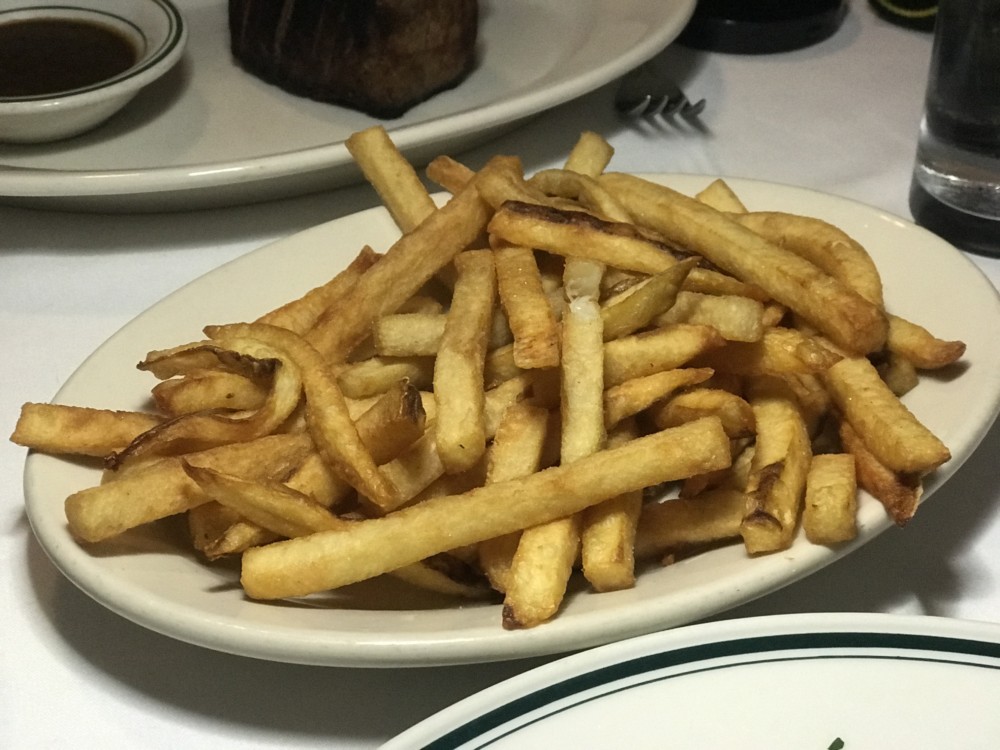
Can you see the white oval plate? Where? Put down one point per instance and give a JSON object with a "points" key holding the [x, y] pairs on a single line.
{"points": [[209, 134], [150, 577], [785, 683]]}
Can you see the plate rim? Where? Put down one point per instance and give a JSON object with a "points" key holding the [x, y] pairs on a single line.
{"points": [[40, 184], [451, 727], [291, 645]]}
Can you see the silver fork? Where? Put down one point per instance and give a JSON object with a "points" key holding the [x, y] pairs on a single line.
{"points": [[648, 93]]}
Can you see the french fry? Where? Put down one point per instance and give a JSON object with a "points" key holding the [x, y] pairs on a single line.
{"points": [[328, 420], [392, 176], [735, 413], [78, 430], [735, 318], [633, 396], [899, 493], [400, 273], [781, 460], [831, 505], [580, 235], [459, 428], [449, 174], [376, 375], [607, 532], [654, 351], [518, 450], [534, 326], [720, 196], [640, 305], [163, 489], [590, 154], [889, 430], [838, 311], [331, 559], [203, 390], [780, 351], [713, 517], [408, 334], [920, 347]]}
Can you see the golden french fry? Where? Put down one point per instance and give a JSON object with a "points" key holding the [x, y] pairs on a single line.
{"points": [[543, 562], [55, 428], [392, 176], [459, 427], [400, 273], [536, 333], [580, 235], [720, 196], [734, 412], [581, 188], [823, 244], [830, 512], [781, 460], [898, 492], [657, 350], [332, 559], [590, 154], [518, 450], [203, 390], [217, 531], [376, 375], [408, 334], [735, 318], [639, 306], [162, 489], [448, 173], [780, 351], [607, 532], [327, 417], [920, 347], [838, 311], [899, 374], [714, 516], [889, 430], [631, 397], [502, 180]]}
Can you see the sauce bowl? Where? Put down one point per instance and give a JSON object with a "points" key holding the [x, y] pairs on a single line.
{"points": [[155, 31]]}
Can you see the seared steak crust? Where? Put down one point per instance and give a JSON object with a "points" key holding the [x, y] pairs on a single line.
{"points": [[377, 56]]}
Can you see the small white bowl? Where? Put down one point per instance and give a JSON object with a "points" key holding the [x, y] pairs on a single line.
{"points": [[155, 29]]}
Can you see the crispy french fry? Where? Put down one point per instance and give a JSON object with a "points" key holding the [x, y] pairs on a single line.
{"points": [[920, 347], [831, 506], [203, 390], [590, 154], [661, 349], [734, 412], [899, 493], [720, 196], [398, 274], [408, 334], [633, 396], [889, 430], [641, 304], [163, 489], [780, 351], [392, 176], [459, 428], [327, 417], [376, 375], [55, 428], [712, 517], [517, 451], [735, 318], [535, 329], [838, 311], [781, 460], [448, 173], [332, 559]]}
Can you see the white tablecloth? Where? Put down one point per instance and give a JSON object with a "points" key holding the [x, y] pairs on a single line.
{"points": [[839, 117]]}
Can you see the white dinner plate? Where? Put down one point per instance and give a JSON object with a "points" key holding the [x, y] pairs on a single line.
{"points": [[792, 682], [209, 134], [150, 577]]}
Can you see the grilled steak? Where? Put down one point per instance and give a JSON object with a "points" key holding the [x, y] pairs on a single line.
{"points": [[377, 56]]}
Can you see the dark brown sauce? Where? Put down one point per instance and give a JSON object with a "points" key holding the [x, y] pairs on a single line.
{"points": [[48, 56]]}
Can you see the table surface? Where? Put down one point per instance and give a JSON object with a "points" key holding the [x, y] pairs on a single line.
{"points": [[840, 117]]}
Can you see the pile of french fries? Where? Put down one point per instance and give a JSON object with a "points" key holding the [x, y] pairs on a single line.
{"points": [[576, 371]]}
